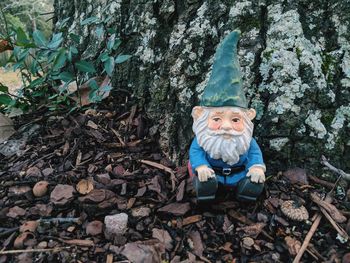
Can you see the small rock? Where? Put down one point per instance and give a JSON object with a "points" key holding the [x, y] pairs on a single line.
{"points": [[140, 211], [94, 228], [262, 217], [40, 188], [42, 244], [247, 242], [34, 171], [276, 256], [116, 224]]}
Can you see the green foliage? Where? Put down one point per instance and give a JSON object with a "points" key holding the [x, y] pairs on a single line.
{"points": [[50, 64]]}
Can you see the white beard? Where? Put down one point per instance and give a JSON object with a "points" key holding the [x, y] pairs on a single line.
{"points": [[218, 147]]}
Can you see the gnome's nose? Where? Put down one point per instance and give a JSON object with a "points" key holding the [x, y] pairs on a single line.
{"points": [[226, 126]]}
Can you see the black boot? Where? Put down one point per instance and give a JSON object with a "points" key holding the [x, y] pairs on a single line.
{"points": [[248, 191], [205, 191]]}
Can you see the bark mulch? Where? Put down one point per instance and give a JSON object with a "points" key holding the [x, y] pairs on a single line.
{"points": [[95, 187]]}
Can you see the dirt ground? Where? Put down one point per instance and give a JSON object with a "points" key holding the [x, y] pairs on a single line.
{"points": [[10, 79]]}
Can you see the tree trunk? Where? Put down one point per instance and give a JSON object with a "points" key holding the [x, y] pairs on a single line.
{"points": [[295, 57]]}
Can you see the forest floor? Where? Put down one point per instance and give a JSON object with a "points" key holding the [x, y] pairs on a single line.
{"points": [[108, 194]]}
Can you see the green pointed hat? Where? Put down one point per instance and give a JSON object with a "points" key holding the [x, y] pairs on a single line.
{"points": [[224, 87]]}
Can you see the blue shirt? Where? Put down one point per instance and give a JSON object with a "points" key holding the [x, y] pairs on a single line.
{"points": [[252, 157]]}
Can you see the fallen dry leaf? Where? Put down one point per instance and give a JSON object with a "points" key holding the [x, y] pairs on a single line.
{"points": [[33, 171], [62, 194], [141, 252], [30, 226], [97, 196], [6, 128], [293, 245], [84, 186], [94, 228], [92, 125], [331, 209], [191, 220], [163, 237], [180, 191], [177, 209], [252, 230], [296, 176], [198, 247], [19, 241], [84, 90], [227, 247], [16, 211], [41, 209]]}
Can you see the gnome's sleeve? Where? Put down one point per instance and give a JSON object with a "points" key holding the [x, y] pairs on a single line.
{"points": [[255, 157], [197, 155]]}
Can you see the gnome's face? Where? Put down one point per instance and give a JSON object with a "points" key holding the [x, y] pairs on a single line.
{"points": [[223, 132]]}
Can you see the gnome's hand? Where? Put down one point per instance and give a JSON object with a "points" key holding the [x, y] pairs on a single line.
{"points": [[204, 172], [256, 174]]}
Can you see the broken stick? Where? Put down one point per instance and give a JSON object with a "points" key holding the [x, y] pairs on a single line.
{"points": [[308, 238]]}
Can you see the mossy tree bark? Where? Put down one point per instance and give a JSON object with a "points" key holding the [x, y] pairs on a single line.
{"points": [[295, 57]]}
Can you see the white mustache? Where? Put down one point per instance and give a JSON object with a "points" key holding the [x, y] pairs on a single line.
{"points": [[223, 133]]}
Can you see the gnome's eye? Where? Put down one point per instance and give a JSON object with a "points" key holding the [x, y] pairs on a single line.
{"points": [[216, 119], [236, 119]]}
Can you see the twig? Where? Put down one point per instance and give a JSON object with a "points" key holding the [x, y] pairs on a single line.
{"points": [[76, 220], [54, 250], [8, 231], [308, 238], [343, 174], [321, 182], [164, 168], [339, 229]]}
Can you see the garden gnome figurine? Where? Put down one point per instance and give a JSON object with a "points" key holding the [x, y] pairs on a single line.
{"points": [[223, 150]]}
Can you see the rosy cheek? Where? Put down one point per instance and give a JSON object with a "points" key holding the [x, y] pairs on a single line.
{"points": [[238, 126], [213, 125]]}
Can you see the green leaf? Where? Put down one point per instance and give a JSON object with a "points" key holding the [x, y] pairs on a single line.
{"points": [[66, 76], [56, 41], [75, 38], [90, 20], [99, 32], [60, 60], [122, 58], [3, 88], [5, 99], [104, 56], [85, 66], [63, 23], [39, 38], [111, 42], [74, 50], [117, 43], [109, 66], [22, 38], [93, 84], [36, 82], [34, 67]]}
